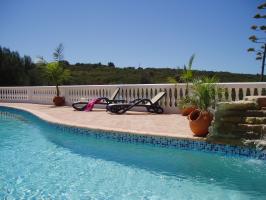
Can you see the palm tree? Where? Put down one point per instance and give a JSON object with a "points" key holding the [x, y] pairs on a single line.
{"points": [[55, 71]]}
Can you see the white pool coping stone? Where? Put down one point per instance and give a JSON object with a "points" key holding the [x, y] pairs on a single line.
{"points": [[141, 123]]}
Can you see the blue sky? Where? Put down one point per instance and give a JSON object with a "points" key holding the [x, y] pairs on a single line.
{"points": [[146, 33]]}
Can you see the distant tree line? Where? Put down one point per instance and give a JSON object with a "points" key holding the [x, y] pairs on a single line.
{"points": [[16, 70]]}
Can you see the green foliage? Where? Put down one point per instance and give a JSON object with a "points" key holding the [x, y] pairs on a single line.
{"points": [[21, 71], [55, 71], [56, 74], [14, 69], [58, 53], [111, 64], [187, 74], [171, 80], [260, 52], [204, 91], [262, 6], [186, 101]]}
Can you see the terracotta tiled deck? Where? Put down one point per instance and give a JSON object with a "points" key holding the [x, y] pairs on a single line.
{"points": [[169, 125]]}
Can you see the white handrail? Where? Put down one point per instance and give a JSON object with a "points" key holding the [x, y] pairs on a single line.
{"points": [[72, 93]]}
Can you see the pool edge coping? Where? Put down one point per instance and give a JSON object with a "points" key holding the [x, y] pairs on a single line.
{"points": [[160, 141], [53, 120]]}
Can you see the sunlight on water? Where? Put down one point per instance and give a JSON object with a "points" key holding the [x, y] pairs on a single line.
{"points": [[38, 161]]}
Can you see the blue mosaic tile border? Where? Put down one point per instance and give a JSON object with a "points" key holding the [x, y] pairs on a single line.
{"points": [[165, 142]]}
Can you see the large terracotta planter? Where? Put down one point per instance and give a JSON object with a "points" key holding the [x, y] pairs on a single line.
{"points": [[59, 101], [199, 122], [187, 110]]}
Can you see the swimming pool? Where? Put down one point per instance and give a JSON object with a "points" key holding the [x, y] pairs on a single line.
{"points": [[38, 160]]}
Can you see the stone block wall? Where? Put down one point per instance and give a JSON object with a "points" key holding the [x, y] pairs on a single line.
{"points": [[240, 122]]}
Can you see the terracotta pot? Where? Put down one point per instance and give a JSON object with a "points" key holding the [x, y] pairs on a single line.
{"points": [[199, 122], [59, 101], [187, 110]]}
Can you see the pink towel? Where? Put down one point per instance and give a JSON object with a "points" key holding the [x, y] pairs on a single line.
{"points": [[90, 104]]}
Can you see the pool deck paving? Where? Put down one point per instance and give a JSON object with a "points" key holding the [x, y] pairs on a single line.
{"points": [[167, 125]]}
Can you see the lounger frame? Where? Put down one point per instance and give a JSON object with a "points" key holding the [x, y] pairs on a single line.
{"points": [[81, 105], [151, 105]]}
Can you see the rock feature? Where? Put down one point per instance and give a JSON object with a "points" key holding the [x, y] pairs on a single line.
{"points": [[240, 122], [260, 100]]}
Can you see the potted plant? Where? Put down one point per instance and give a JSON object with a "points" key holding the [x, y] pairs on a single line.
{"points": [[56, 73], [186, 104], [204, 91]]}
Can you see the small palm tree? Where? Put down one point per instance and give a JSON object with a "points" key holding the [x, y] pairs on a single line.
{"points": [[56, 74], [55, 71]]}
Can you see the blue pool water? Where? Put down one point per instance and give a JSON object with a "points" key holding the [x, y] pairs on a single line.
{"points": [[38, 161]]}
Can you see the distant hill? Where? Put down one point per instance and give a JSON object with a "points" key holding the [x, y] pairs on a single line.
{"points": [[103, 74], [21, 71]]}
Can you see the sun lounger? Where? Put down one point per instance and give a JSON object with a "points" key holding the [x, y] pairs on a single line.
{"points": [[152, 105], [81, 105]]}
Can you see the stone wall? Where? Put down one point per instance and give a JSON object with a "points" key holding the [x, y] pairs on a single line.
{"points": [[240, 122]]}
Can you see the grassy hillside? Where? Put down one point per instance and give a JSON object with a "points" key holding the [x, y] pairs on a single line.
{"points": [[21, 71], [102, 74]]}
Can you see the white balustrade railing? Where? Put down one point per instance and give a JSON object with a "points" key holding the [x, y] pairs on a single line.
{"points": [[174, 92]]}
